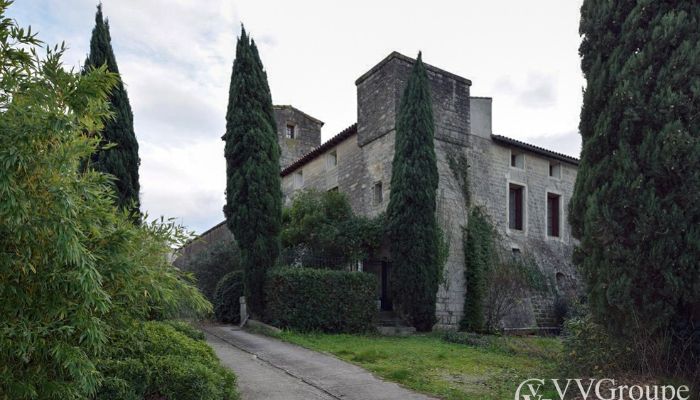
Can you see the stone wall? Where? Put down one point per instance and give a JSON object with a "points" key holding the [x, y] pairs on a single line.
{"points": [[216, 234], [307, 133], [462, 130]]}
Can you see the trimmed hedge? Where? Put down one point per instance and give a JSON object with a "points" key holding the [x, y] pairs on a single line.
{"points": [[162, 360], [227, 303], [308, 299]]}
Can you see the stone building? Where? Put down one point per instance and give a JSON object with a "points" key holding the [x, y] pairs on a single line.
{"points": [[524, 188]]}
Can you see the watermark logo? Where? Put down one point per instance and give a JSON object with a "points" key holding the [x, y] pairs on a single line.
{"points": [[597, 389]]}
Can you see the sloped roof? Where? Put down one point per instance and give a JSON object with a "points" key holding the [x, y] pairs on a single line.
{"points": [[289, 107], [535, 149], [328, 144]]}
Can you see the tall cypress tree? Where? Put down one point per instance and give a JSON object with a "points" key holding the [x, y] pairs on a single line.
{"points": [[636, 203], [253, 189], [122, 160], [411, 219]]}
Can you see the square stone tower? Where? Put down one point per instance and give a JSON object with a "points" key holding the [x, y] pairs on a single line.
{"points": [[297, 132]]}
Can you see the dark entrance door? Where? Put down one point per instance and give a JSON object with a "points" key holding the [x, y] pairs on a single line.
{"points": [[385, 295]]}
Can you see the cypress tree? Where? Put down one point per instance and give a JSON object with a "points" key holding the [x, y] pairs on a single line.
{"points": [[636, 203], [122, 161], [253, 207], [411, 220]]}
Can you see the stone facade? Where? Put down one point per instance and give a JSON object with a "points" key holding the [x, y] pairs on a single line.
{"points": [[305, 133], [358, 162], [363, 162]]}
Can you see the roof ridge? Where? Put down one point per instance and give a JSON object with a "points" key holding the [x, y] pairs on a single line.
{"points": [[536, 149], [345, 133]]}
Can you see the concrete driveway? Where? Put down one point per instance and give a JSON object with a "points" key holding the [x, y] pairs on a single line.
{"points": [[270, 369]]}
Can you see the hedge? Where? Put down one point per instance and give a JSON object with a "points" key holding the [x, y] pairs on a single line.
{"points": [[227, 303], [161, 360], [306, 299]]}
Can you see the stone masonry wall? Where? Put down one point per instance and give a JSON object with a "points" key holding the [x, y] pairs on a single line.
{"points": [[307, 133], [491, 173]]}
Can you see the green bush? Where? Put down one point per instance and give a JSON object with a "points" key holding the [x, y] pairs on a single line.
{"points": [[319, 230], [227, 304], [186, 329], [163, 359], [210, 265], [588, 348], [117, 389], [321, 300]]}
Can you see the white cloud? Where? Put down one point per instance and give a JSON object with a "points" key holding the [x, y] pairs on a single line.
{"points": [[175, 57]]}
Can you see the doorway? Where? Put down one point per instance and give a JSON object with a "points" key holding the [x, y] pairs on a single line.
{"points": [[385, 288]]}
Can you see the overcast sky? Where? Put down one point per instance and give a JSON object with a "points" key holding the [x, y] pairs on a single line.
{"points": [[175, 58]]}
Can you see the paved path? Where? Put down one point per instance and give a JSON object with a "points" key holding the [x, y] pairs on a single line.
{"points": [[271, 369]]}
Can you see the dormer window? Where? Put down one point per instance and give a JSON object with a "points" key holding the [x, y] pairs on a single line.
{"points": [[291, 131]]}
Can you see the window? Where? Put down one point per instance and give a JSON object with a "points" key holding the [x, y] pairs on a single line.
{"points": [[291, 131], [553, 214], [517, 160], [555, 170], [515, 207], [378, 193], [298, 179], [333, 189], [332, 159]]}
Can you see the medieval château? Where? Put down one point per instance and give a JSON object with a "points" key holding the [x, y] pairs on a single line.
{"points": [[525, 189]]}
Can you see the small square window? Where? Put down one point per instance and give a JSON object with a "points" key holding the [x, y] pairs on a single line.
{"points": [[332, 159], [291, 131], [555, 170], [517, 160], [298, 179], [378, 193]]}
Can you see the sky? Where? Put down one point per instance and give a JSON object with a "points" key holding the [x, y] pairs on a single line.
{"points": [[175, 57]]}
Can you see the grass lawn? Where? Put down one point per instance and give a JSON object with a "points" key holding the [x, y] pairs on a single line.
{"points": [[490, 367]]}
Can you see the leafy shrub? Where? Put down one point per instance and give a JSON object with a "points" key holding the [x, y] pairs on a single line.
{"points": [[308, 299], [496, 281], [227, 304], [320, 230], [590, 349], [211, 264], [73, 267], [186, 329], [157, 358], [117, 389]]}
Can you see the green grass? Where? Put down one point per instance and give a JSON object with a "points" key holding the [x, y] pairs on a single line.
{"points": [[491, 369]]}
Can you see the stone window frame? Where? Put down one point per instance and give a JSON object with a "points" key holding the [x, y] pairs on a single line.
{"points": [[526, 193], [295, 131], [332, 159], [516, 153], [377, 197], [558, 166], [558, 193], [298, 179]]}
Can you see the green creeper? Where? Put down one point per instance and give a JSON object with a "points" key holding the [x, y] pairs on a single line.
{"points": [[122, 160], [636, 203], [412, 226], [253, 207]]}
